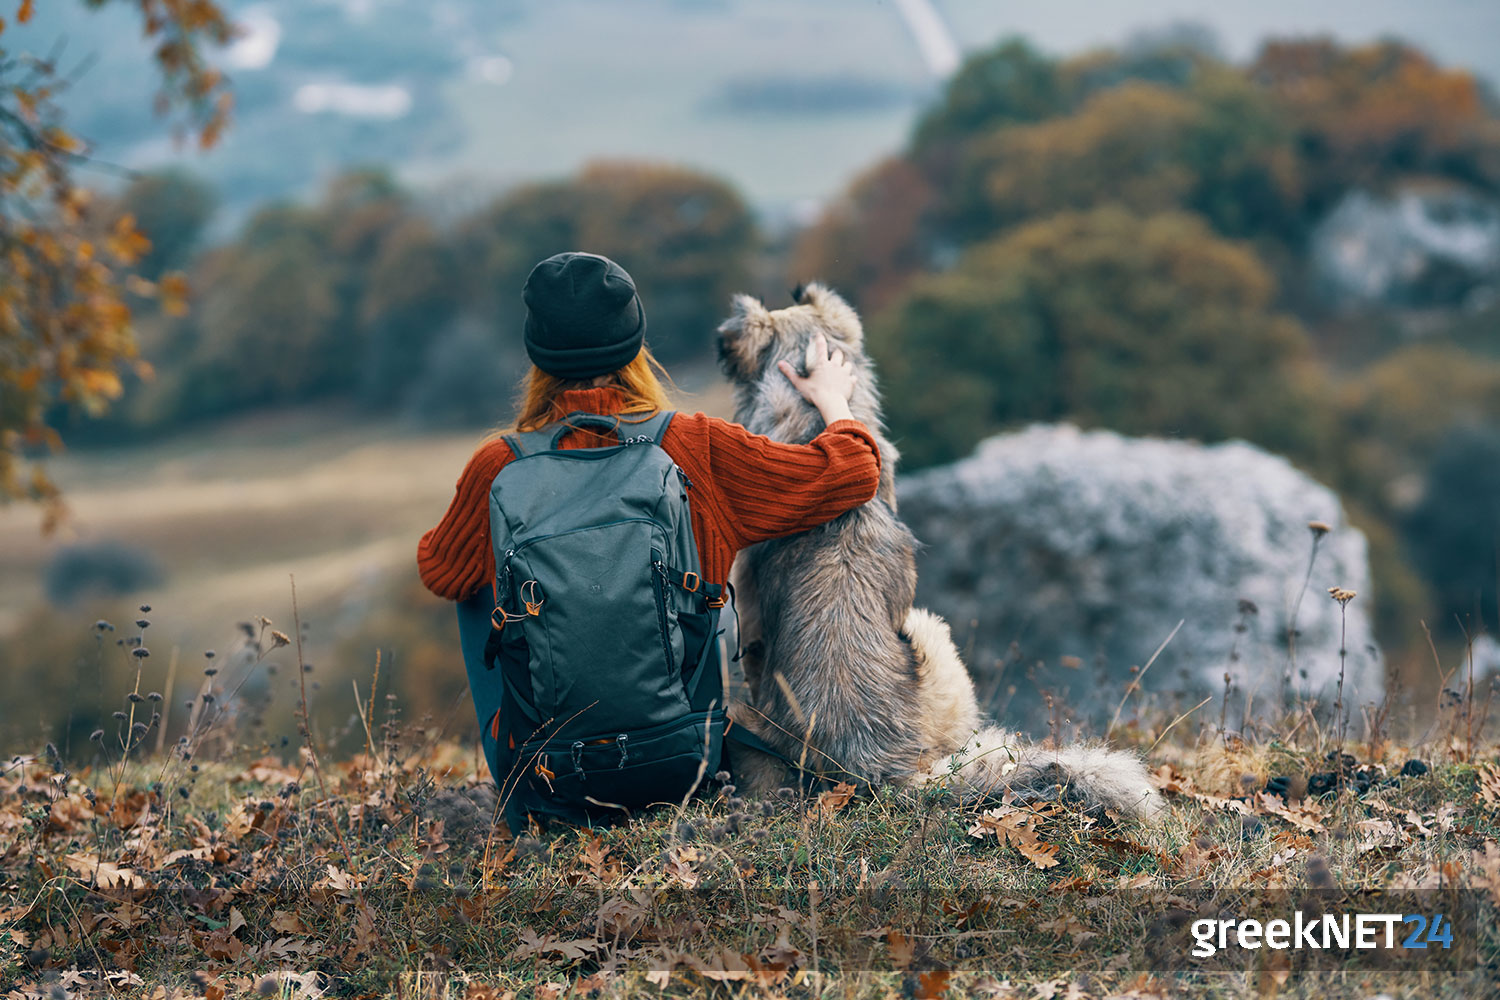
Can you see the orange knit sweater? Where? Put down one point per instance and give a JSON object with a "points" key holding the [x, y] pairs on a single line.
{"points": [[746, 489]]}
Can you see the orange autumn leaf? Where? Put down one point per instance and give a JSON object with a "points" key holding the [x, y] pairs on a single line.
{"points": [[832, 801]]}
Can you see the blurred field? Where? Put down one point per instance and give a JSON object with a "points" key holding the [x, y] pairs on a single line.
{"points": [[230, 513], [233, 511]]}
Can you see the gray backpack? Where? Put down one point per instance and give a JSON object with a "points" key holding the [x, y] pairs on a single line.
{"points": [[605, 636]]}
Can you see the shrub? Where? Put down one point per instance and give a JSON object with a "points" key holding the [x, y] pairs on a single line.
{"points": [[467, 380], [1453, 532], [100, 569], [1146, 326]]}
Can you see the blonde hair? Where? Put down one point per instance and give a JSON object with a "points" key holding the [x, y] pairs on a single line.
{"points": [[639, 382]]}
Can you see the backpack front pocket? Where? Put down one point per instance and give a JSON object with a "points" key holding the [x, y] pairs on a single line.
{"points": [[594, 630], [626, 770]]}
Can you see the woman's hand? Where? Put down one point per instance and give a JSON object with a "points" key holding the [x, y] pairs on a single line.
{"points": [[830, 380]]}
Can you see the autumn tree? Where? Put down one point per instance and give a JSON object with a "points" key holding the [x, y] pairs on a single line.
{"points": [[686, 239], [870, 241], [1147, 325], [1364, 116], [66, 334]]}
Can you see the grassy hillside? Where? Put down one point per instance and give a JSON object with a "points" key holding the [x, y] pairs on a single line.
{"points": [[292, 875], [231, 513]]}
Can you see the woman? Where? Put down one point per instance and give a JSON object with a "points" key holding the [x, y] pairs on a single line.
{"points": [[585, 334]]}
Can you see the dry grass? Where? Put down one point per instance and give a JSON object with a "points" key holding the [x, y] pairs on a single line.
{"points": [[237, 877]]}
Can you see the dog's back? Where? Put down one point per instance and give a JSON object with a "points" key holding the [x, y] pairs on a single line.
{"points": [[832, 602], [844, 673], [829, 604]]}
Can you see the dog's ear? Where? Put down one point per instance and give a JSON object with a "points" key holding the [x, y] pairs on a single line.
{"points": [[833, 312], [743, 338]]}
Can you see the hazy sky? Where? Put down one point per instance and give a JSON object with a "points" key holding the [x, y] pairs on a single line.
{"points": [[466, 97], [653, 74], [1457, 32]]}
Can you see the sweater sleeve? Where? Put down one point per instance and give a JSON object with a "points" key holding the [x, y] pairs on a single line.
{"points": [[767, 488], [454, 558]]}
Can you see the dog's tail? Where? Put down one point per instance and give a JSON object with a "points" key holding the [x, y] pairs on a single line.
{"points": [[995, 761], [992, 760]]}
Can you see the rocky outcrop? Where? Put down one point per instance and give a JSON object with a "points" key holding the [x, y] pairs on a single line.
{"points": [[1424, 245], [1062, 558]]}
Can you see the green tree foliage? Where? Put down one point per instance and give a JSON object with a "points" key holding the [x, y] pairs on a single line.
{"points": [[1009, 84], [1398, 411], [361, 296], [1216, 146], [1454, 531], [171, 209], [411, 294], [1148, 325], [685, 238], [339, 299]]}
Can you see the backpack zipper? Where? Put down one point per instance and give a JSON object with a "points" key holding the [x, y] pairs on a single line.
{"points": [[661, 611], [573, 531], [557, 744]]}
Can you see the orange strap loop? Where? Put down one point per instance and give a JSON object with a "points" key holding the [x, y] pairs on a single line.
{"points": [[529, 598]]}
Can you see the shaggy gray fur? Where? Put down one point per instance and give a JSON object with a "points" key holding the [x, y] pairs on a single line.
{"points": [[843, 672]]}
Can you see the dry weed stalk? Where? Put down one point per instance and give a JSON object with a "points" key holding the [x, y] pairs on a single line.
{"points": [[1319, 530]]}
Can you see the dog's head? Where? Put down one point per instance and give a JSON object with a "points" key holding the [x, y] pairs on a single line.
{"points": [[753, 339]]}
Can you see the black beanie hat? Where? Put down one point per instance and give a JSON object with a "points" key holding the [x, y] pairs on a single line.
{"points": [[583, 317]]}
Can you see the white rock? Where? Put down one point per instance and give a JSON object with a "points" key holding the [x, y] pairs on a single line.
{"points": [[1424, 244], [1068, 543]]}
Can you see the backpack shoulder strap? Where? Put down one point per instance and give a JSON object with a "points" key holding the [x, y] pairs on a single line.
{"points": [[529, 442], [654, 429]]}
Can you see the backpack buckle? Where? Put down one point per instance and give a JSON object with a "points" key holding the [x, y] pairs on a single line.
{"points": [[697, 581], [498, 618]]}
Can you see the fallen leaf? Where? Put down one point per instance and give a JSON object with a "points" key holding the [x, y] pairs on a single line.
{"points": [[1489, 784], [901, 950], [832, 801], [104, 874], [931, 985], [1039, 853]]}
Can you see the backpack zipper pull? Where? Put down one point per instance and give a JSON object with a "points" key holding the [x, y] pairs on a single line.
{"points": [[621, 741], [578, 757]]}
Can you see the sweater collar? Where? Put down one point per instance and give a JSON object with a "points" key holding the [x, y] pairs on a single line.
{"points": [[605, 399]]}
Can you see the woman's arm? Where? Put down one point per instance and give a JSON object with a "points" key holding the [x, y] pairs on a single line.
{"points": [[763, 488], [454, 558]]}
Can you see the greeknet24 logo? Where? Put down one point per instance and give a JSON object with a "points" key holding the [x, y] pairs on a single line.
{"points": [[1323, 932]]}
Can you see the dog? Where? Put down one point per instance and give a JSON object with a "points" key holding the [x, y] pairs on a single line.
{"points": [[845, 677]]}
